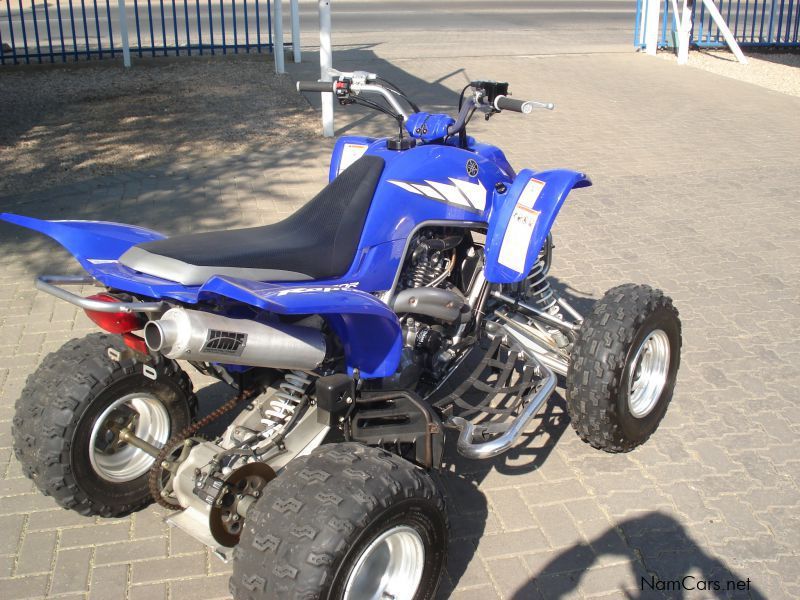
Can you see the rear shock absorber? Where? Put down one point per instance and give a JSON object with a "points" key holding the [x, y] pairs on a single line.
{"points": [[284, 402]]}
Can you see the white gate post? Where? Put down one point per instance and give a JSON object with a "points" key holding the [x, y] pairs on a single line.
{"points": [[726, 32], [325, 65], [651, 26], [295, 31], [685, 32], [277, 45], [123, 32]]}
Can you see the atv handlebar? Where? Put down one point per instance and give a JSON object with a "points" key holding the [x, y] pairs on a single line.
{"points": [[348, 87], [315, 86], [522, 106]]}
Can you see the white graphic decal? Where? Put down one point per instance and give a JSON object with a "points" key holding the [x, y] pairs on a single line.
{"points": [[460, 193], [339, 287], [517, 239], [350, 154]]}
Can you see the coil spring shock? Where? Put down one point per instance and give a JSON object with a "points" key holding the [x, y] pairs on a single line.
{"points": [[284, 402], [425, 271], [538, 288]]}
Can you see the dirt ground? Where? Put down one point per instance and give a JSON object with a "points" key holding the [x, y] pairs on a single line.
{"points": [[777, 71], [67, 124]]}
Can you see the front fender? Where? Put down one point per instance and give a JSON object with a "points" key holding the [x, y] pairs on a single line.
{"points": [[369, 330], [521, 219]]}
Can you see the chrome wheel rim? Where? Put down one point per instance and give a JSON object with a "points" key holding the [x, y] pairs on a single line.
{"points": [[648, 374], [390, 568], [116, 461]]}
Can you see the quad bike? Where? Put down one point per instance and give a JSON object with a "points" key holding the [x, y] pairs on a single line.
{"points": [[408, 299]]}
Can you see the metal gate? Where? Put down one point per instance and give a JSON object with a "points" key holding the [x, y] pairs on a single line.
{"points": [[71, 30], [762, 23]]}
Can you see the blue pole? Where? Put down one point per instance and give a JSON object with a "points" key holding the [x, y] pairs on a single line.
{"points": [[24, 33], [199, 27], [246, 29], [780, 23], [186, 21], [61, 32], [269, 25], [110, 28], [771, 21], [222, 25], [211, 26], [85, 29], [235, 34], [138, 28], [175, 28], [72, 28], [97, 27], [736, 23], [163, 28], [11, 31], [152, 37], [36, 30], [258, 28]]}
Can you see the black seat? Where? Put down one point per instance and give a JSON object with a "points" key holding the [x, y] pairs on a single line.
{"points": [[319, 241]]}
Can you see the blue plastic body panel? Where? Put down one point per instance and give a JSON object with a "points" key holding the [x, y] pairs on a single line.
{"points": [[428, 126], [369, 330], [431, 184], [556, 185]]}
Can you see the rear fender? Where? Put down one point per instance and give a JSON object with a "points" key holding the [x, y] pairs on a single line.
{"points": [[522, 218], [369, 330], [91, 242]]}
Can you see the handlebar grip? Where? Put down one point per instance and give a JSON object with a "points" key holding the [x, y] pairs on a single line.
{"points": [[506, 103], [315, 86]]}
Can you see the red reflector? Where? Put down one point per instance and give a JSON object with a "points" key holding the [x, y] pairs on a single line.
{"points": [[135, 343], [115, 322]]}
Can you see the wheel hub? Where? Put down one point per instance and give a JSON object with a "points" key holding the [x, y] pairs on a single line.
{"points": [[648, 373], [390, 568], [236, 495], [112, 458]]}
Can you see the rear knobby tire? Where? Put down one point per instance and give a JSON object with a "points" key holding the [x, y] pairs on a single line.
{"points": [[602, 364], [303, 537], [59, 406]]}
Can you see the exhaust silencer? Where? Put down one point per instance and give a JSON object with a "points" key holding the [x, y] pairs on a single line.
{"points": [[205, 337]]}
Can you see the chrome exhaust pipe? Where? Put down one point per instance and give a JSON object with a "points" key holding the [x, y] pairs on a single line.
{"points": [[205, 337]]}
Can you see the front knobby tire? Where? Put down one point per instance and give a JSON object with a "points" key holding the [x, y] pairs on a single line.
{"points": [[623, 368], [63, 407], [324, 518]]}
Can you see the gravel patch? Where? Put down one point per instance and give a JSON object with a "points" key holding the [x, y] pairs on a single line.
{"points": [[67, 124], [777, 72]]}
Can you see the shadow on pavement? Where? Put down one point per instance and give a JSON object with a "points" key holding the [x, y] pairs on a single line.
{"points": [[665, 562]]}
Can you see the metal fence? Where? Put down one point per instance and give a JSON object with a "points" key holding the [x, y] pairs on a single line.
{"points": [[765, 23], [71, 30]]}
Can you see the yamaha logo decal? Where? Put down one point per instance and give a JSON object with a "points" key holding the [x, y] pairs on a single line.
{"points": [[472, 168]]}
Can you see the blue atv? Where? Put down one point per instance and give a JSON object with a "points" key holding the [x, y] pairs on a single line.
{"points": [[409, 300]]}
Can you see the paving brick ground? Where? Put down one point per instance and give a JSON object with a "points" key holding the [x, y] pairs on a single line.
{"points": [[695, 191]]}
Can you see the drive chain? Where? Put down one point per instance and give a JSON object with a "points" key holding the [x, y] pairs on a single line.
{"points": [[154, 476]]}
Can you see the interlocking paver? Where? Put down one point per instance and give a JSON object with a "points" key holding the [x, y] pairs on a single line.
{"points": [[109, 582], [695, 190], [36, 553], [71, 572]]}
